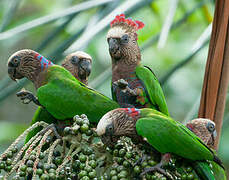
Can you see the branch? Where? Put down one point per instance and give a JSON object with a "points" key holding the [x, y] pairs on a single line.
{"points": [[216, 77]]}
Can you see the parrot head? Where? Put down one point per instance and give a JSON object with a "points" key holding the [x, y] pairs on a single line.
{"points": [[116, 123], [122, 39], [79, 64], [204, 129], [26, 63]]}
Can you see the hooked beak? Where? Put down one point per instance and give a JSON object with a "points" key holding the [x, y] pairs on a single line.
{"points": [[12, 72], [213, 135], [85, 69], [113, 45], [108, 140]]}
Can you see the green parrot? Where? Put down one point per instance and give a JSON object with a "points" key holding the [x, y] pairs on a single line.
{"points": [[79, 64], [205, 130], [163, 133], [60, 93], [133, 85]]}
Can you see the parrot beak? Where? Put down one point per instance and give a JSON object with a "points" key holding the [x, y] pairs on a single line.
{"points": [[85, 66], [213, 135], [11, 72], [113, 45]]}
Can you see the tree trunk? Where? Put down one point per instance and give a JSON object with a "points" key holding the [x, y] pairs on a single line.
{"points": [[216, 78]]}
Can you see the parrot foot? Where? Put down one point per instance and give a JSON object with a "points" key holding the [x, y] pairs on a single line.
{"points": [[53, 128], [121, 83], [27, 97], [140, 160], [156, 168]]}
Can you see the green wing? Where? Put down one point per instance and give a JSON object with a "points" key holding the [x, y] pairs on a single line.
{"points": [[169, 136], [153, 88], [41, 114], [64, 96]]}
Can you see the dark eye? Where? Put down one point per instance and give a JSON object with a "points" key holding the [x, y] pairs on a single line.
{"points": [[109, 130], [75, 60], [124, 39], [210, 127], [15, 61]]}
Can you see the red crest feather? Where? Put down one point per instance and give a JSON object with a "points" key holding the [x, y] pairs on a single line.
{"points": [[121, 18]]}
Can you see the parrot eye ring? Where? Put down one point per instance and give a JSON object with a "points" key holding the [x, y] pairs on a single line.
{"points": [[124, 39], [16, 61], [75, 60], [210, 127]]}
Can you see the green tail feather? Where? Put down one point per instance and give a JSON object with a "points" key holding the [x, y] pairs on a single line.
{"points": [[209, 171]]}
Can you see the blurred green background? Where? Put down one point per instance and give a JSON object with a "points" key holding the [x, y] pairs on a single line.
{"points": [[174, 43]]}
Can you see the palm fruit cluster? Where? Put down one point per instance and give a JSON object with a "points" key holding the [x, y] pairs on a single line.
{"points": [[80, 154]]}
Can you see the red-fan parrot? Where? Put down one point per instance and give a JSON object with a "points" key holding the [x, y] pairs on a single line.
{"points": [[162, 132], [133, 85]]}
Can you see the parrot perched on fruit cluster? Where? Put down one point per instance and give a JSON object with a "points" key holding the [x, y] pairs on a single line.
{"points": [[205, 130], [162, 132], [133, 85], [60, 93], [79, 64]]}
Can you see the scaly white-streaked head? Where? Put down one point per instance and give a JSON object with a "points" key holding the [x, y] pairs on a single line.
{"points": [[122, 39], [79, 64], [116, 123], [204, 129]]}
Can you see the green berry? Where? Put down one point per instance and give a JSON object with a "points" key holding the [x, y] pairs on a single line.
{"points": [[128, 155], [113, 173], [52, 176], [183, 176], [79, 121], [122, 152], [46, 166], [114, 178], [32, 157], [115, 152], [15, 177], [190, 176], [22, 174], [29, 170], [85, 178], [56, 153], [9, 154], [82, 173], [82, 158], [189, 169], [42, 155], [58, 160], [144, 164], [76, 164], [82, 165], [92, 157], [152, 163], [88, 168], [92, 174], [8, 168], [120, 168], [67, 130], [137, 169], [120, 160], [14, 149], [2, 165], [44, 177], [92, 163], [89, 132], [39, 172], [29, 163], [53, 166], [40, 165], [52, 171], [126, 163], [8, 161], [84, 128], [67, 169], [23, 168]]}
